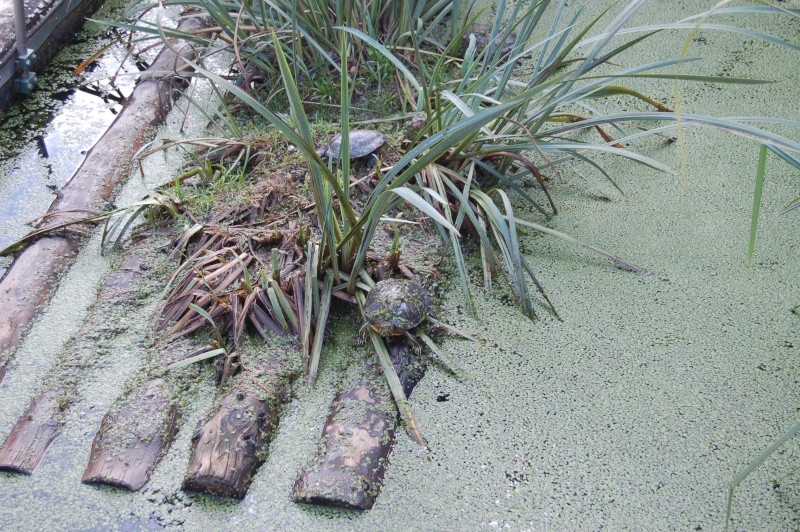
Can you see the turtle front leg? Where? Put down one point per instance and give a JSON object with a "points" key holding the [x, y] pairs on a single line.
{"points": [[371, 162]]}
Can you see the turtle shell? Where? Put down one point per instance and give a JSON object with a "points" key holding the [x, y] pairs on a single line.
{"points": [[394, 306], [362, 143]]}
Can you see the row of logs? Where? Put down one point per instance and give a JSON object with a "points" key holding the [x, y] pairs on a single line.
{"points": [[231, 445], [139, 428], [32, 277]]}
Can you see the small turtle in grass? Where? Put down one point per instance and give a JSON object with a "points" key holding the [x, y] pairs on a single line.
{"points": [[483, 35], [363, 143], [394, 307]]}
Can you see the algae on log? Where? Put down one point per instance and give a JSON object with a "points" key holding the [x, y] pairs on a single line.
{"points": [[133, 438], [232, 444], [30, 279], [358, 436], [28, 441], [139, 429]]}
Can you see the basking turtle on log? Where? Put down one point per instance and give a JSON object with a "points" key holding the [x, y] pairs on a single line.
{"points": [[395, 307]]}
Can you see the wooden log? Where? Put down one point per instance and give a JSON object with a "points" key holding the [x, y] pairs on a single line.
{"points": [[230, 447], [28, 441], [358, 436], [29, 281], [27, 284], [31, 436], [133, 438]]}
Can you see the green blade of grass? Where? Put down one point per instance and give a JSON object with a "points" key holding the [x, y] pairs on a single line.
{"points": [[319, 329], [312, 263], [753, 465], [197, 358], [286, 307], [276, 308], [396, 388], [760, 173], [423, 206], [386, 53], [442, 357], [206, 316]]}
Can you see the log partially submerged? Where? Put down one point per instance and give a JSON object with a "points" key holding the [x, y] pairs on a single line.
{"points": [[29, 281], [230, 447], [28, 441], [358, 437], [133, 437]]}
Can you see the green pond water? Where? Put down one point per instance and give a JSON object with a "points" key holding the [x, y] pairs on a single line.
{"points": [[635, 411]]}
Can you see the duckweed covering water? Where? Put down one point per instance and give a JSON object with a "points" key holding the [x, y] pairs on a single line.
{"points": [[635, 411]]}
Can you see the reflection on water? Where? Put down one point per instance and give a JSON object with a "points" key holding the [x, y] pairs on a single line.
{"points": [[45, 137]]}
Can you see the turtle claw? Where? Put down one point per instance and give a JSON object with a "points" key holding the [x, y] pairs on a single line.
{"points": [[415, 346], [361, 337]]}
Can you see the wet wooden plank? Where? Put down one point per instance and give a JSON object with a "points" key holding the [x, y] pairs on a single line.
{"points": [[31, 436], [231, 446], [28, 441], [358, 437], [133, 438]]}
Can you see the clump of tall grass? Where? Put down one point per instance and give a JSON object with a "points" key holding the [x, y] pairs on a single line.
{"points": [[493, 114], [307, 31], [503, 116]]}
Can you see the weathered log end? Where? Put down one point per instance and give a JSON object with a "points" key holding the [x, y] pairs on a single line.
{"points": [[228, 447], [28, 441], [358, 437], [133, 438]]}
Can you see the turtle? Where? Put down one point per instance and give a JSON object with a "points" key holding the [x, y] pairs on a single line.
{"points": [[363, 143], [483, 34], [394, 307]]}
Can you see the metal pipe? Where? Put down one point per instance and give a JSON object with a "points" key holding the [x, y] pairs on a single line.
{"points": [[19, 23]]}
